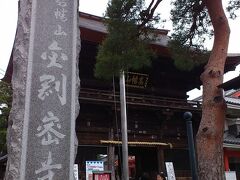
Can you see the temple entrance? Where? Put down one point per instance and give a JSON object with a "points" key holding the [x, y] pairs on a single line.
{"points": [[146, 161], [142, 162]]}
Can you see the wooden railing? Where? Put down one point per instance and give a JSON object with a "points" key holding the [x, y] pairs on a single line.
{"points": [[102, 96]]}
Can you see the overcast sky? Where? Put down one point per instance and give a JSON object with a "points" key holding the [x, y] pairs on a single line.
{"points": [[8, 21]]}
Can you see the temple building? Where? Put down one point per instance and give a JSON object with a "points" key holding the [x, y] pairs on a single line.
{"points": [[156, 101], [231, 142]]}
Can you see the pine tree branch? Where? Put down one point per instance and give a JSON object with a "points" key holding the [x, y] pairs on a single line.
{"points": [[147, 15]]}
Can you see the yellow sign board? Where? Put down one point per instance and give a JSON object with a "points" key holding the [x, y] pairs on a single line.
{"points": [[136, 80]]}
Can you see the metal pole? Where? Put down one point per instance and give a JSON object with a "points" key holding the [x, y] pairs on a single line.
{"points": [[125, 173], [187, 117]]}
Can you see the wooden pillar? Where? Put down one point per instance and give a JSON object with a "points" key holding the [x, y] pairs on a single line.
{"points": [[138, 161], [160, 157], [226, 162], [111, 155]]}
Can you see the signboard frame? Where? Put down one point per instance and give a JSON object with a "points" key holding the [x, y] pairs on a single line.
{"points": [[95, 173], [96, 166]]}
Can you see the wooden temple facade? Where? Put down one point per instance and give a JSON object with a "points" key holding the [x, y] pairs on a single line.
{"points": [[156, 100]]}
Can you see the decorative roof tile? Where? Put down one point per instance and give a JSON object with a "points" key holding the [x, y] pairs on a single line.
{"points": [[231, 139], [232, 100]]}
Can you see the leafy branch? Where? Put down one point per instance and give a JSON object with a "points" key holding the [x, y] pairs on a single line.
{"points": [[5, 106], [233, 5], [130, 30]]}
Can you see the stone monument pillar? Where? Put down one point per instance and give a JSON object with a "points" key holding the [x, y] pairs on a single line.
{"points": [[41, 135]]}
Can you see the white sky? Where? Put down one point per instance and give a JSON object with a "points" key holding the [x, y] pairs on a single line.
{"points": [[8, 21]]}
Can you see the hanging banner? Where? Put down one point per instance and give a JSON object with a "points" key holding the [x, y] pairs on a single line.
{"points": [[75, 171], [170, 171]]}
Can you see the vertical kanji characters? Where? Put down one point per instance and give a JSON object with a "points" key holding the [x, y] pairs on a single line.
{"points": [[48, 131], [47, 168]]}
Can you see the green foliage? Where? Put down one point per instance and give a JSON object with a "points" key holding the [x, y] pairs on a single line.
{"points": [[233, 5], [191, 25], [5, 106], [191, 22], [126, 43], [185, 57]]}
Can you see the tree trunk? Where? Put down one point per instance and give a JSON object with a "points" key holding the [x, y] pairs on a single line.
{"points": [[210, 133]]}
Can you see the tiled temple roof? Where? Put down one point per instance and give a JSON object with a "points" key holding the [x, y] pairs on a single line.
{"points": [[231, 139]]}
